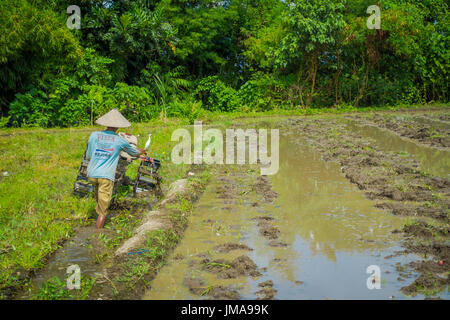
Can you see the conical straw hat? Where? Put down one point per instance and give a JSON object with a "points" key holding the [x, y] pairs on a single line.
{"points": [[113, 119]]}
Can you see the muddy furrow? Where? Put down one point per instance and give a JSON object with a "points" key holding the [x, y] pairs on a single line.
{"points": [[413, 128], [214, 262], [397, 184]]}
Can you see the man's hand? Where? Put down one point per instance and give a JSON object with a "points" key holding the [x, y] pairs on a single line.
{"points": [[142, 151]]}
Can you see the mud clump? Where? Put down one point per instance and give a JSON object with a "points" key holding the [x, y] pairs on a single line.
{"points": [[268, 283], [227, 189], [241, 266], [224, 293], [404, 209], [439, 250], [198, 286], [267, 292], [429, 282], [195, 285], [425, 230], [230, 246], [267, 230], [263, 186], [277, 243]]}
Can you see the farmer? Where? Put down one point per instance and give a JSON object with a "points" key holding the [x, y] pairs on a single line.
{"points": [[103, 154]]}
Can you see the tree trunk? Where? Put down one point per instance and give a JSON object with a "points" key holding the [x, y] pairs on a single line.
{"points": [[338, 74], [313, 74]]}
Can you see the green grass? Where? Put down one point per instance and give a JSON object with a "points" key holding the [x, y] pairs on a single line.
{"points": [[56, 289], [37, 208]]}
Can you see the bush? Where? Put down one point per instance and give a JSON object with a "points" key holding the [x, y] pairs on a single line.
{"points": [[64, 101], [188, 109], [59, 108], [4, 121], [30, 109], [135, 103], [216, 95]]}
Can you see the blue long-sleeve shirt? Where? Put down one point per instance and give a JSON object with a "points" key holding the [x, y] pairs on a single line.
{"points": [[103, 153]]}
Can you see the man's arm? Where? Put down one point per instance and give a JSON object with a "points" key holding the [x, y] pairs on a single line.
{"points": [[132, 151]]}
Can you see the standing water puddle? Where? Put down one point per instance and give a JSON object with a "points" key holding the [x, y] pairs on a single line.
{"points": [[76, 251], [333, 233]]}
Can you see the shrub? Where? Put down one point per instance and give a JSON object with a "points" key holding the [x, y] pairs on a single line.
{"points": [[216, 95], [188, 109], [30, 109], [135, 103]]}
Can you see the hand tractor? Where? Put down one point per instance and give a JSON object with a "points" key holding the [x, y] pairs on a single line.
{"points": [[147, 178]]}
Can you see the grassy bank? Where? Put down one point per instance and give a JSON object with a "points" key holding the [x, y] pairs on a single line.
{"points": [[37, 208]]}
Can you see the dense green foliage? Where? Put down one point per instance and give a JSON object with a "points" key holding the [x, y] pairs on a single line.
{"points": [[151, 58]]}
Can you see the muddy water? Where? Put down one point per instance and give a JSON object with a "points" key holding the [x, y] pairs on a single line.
{"points": [[435, 161], [333, 233], [76, 251], [433, 122]]}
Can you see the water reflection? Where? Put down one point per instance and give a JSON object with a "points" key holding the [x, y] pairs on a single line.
{"points": [[435, 161]]}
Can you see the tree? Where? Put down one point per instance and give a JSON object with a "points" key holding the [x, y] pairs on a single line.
{"points": [[35, 45], [311, 31]]}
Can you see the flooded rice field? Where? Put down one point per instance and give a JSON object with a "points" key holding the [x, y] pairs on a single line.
{"points": [[353, 195], [308, 232]]}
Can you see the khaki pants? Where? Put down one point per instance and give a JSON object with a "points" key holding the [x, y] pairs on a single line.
{"points": [[103, 192]]}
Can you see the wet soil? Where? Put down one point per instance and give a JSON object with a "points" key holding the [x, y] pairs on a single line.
{"points": [[317, 235], [397, 183], [410, 127], [251, 236], [220, 269], [240, 266], [230, 246], [266, 292]]}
